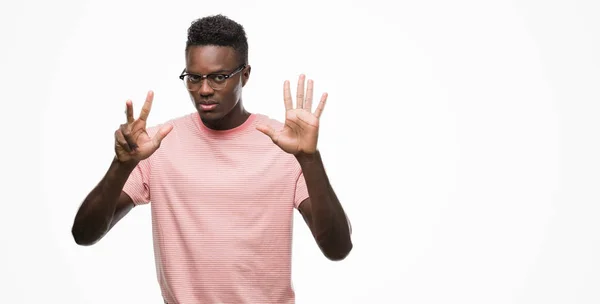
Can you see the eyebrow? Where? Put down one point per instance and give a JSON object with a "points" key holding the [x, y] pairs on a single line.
{"points": [[221, 71]]}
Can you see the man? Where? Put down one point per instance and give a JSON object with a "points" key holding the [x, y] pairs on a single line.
{"points": [[223, 182]]}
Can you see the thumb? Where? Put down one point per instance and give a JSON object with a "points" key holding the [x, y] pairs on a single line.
{"points": [[267, 130], [161, 134]]}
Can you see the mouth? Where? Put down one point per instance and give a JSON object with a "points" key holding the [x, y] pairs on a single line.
{"points": [[207, 105]]}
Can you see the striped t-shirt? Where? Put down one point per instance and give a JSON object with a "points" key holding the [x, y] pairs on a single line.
{"points": [[222, 209]]}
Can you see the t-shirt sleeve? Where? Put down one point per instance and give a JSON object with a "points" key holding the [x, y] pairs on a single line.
{"points": [[301, 190], [137, 185]]}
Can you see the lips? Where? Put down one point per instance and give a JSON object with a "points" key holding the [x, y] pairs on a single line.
{"points": [[207, 105]]}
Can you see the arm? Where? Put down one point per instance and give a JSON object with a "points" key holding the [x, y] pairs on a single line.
{"points": [[323, 212], [104, 206]]}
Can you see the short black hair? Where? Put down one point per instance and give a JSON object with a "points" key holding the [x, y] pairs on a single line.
{"points": [[218, 30]]}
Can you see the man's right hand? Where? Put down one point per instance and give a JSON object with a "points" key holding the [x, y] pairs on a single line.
{"points": [[132, 143]]}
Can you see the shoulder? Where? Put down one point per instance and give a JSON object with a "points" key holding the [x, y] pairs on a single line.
{"points": [[264, 119], [183, 123], [266, 142]]}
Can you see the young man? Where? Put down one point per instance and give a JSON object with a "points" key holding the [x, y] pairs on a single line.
{"points": [[223, 182]]}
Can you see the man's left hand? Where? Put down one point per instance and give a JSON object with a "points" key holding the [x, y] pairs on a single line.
{"points": [[301, 129]]}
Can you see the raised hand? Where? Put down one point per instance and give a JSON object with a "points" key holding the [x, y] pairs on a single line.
{"points": [[301, 130], [132, 142]]}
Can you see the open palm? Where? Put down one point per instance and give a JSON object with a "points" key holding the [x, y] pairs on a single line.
{"points": [[301, 128]]}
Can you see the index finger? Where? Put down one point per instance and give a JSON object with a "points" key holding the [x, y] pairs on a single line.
{"points": [[147, 106], [287, 95]]}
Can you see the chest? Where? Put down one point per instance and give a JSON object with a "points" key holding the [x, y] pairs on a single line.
{"points": [[227, 184]]}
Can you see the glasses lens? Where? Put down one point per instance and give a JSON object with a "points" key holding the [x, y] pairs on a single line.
{"points": [[217, 82], [194, 83], [191, 82]]}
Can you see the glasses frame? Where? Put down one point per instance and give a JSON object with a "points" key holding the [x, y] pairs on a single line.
{"points": [[203, 77]]}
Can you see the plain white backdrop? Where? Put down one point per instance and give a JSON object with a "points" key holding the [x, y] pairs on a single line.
{"points": [[462, 138]]}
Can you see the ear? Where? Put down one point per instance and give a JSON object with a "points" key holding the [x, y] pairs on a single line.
{"points": [[246, 75]]}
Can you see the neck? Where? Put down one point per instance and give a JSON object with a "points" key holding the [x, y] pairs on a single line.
{"points": [[235, 118]]}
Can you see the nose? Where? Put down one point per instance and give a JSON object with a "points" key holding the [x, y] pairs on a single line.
{"points": [[205, 88]]}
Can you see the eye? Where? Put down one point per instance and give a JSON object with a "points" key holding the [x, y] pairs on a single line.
{"points": [[219, 77], [193, 78]]}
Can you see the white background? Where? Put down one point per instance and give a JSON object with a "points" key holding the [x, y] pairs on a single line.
{"points": [[461, 137]]}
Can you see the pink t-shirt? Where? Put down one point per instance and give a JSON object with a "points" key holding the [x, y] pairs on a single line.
{"points": [[222, 211]]}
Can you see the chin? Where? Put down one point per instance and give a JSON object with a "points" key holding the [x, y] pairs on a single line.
{"points": [[210, 116]]}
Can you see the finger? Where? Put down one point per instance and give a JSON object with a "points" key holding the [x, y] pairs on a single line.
{"points": [[309, 96], [268, 130], [161, 134], [126, 131], [120, 139], [287, 96], [321, 105], [147, 106], [129, 111], [300, 93]]}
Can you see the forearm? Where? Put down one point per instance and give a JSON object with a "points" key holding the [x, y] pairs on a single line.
{"points": [[96, 213], [328, 220]]}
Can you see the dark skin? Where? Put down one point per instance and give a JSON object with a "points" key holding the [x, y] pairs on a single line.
{"points": [[230, 111], [107, 204]]}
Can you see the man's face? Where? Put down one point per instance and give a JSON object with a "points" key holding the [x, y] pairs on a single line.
{"points": [[214, 104]]}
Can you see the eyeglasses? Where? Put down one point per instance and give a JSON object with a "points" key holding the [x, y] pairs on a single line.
{"points": [[193, 82]]}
